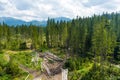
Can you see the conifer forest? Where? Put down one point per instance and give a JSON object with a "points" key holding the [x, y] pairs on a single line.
{"points": [[89, 47]]}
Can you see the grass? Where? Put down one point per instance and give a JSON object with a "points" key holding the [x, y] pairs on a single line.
{"points": [[20, 57], [59, 52], [85, 68], [23, 58], [15, 52]]}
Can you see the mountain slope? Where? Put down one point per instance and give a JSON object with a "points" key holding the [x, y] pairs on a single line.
{"points": [[61, 19], [12, 21]]}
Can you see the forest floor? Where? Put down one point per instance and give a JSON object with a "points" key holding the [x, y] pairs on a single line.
{"points": [[50, 62], [37, 75], [33, 73], [117, 66]]}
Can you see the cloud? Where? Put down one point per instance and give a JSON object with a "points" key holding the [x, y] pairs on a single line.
{"points": [[1, 8], [90, 3], [2, 5], [22, 4], [42, 9]]}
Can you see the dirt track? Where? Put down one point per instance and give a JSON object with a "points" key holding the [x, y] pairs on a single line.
{"points": [[52, 66]]}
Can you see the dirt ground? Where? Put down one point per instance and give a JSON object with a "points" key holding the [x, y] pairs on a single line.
{"points": [[44, 77]]}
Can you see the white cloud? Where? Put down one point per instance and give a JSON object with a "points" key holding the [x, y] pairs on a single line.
{"points": [[42, 9]]}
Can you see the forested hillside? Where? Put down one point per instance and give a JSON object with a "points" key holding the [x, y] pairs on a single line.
{"points": [[92, 43]]}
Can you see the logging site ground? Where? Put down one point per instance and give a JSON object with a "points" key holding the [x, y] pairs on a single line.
{"points": [[48, 65]]}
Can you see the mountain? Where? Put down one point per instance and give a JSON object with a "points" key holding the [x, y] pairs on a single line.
{"points": [[39, 23], [13, 21], [62, 19]]}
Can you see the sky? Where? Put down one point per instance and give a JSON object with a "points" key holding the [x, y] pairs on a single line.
{"points": [[42, 9]]}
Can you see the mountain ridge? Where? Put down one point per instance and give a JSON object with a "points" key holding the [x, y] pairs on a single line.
{"points": [[14, 22]]}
